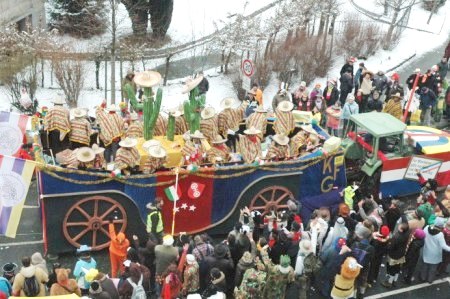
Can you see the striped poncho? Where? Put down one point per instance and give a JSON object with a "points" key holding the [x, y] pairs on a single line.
{"points": [[193, 153], [278, 152], [284, 123], [127, 157], [209, 128], [230, 118], [135, 130], [57, 118], [181, 125], [250, 148], [258, 121], [80, 131], [160, 126], [297, 142], [394, 108], [152, 164], [111, 126], [218, 151]]}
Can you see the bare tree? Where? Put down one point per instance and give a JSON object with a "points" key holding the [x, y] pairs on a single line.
{"points": [[398, 6], [69, 75]]}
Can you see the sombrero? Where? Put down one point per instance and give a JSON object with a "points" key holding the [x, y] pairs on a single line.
{"points": [[147, 78], [197, 134], [175, 113], [128, 142], [157, 151], [85, 154], [252, 131], [150, 143], [97, 149], [58, 100], [285, 106], [112, 108], [208, 113], [227, 103], [397, 95], [133, 116], [191, 84], [281, 139], [309, 129], [219, 139], [77, 112]]}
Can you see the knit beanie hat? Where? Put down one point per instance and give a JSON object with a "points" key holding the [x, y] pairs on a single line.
{"points": [[419, 234], [344, 210], [362, 232], [384, 231]]}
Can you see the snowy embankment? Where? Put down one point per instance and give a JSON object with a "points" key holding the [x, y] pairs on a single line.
{"points": [[193, 19]]}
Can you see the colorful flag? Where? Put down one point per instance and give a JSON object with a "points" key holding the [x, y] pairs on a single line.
{"points": [[12, 130], [15, 177], [172, 193], [195, 190]]}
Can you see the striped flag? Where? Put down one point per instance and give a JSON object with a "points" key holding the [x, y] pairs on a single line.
{"points": [[15, 177], [12, 130], [172, 193]]}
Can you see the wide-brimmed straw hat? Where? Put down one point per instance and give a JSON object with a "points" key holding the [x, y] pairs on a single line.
{"points": [[281, 139], [285, 106], [227, 103], [112, 108], [219, 139], [58, 100], [208, 113], [197, 134], [175, 112], [128, 142], [252, 131], [97, 149], [150, 143], [134, 116], [85, 154], [157, 151], [147, 78], [191, 84], [397, 95], [77, 112], [308, 128]]}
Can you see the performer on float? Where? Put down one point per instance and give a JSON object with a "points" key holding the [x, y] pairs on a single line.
{"points": [[229, 120], [181, 125], [160, 126], [219, 151], [80, 134], [85, 156], [156, 159], [127, 156], [300, 141], [135, 129], [279, 149], [284, 123], [250, 145], [209, 123], [394, 106], [111, 130], [258, 120], [193, 149], [99, 161], [57, 125]]}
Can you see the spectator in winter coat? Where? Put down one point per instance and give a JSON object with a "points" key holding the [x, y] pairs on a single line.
{"points": [[165, 255], [305, 103], [346, 86], [96, 291], [136, 274], [394, 86], [298, 94], [317, 90], [222, 261], [348, 67], [147, 255], [427, 102], [432, 250], [107, 285], [410, 80], [366, 89], [447, 102], [379, 242], [217, 283], [331, 93], [393, 214], [350, 108], [396, 251], [332, 258], [442, 269], [380, 82], [415, 243], [359, 75], [338, 231], [333, 114], [27, 271], [443, 68], [38, 261], [246, 262], [282, 95], [363, 252], [416, 220]]}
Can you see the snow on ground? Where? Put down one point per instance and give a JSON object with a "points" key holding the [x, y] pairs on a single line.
{"points": [[193, 18]]}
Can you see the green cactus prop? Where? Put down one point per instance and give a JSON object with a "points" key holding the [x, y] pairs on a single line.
{"points": [[170, 134], [152, 107], [192, 109], [132, 97]]}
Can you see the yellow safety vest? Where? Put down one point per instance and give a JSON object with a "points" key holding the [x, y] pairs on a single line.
{"points": [[159, 226]]}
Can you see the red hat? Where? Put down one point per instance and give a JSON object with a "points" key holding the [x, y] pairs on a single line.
{"points": [[384, 231], [395, 77], [352, 59]]}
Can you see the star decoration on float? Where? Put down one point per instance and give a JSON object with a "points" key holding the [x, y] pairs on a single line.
{"points": [[184, 206], [192, 208], [177, 209]]}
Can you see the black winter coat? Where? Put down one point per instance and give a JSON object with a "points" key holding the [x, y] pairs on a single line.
{"points": [[347, 68], [225, 265], [397, 245], [346, 83], [413, 254], [334, 96]]}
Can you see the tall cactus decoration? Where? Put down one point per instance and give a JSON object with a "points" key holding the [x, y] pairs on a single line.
{"points": [[152, 107], [170, 134], [194, 106]]}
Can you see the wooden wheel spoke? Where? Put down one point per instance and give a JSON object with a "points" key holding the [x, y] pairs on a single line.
{"points": [[108, 211], [82, 233], [104, 231], [258, 208], [272, 198], [95, 208], [94, 238], [76, 224], [282, 206], [263, 198], [282, 197], [83, 212]]}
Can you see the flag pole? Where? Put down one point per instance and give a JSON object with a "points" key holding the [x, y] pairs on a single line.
{"points": [[413, 90], [177, 170]]}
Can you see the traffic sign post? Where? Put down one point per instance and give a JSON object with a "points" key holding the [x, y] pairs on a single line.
{"points": [[248, 68], [246, 83]]}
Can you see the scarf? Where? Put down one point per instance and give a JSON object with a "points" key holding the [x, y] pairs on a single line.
{"points": [[319, 104], [253, 138]]}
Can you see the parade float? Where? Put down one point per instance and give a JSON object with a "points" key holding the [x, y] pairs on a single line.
{"points": [[76, 204]]}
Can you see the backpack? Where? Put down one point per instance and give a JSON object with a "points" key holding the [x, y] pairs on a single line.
{"points": [[138, 289], [31, 286], [360, 254], [312, 265]]}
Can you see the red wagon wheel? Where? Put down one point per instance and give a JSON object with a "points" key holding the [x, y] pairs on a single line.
{"points": [[86, 222], [271, 198]]}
